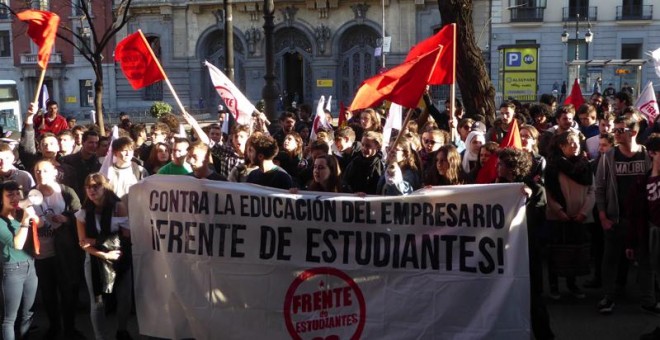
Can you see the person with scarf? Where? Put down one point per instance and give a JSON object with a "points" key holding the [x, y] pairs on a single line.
{"points": [[104, 235], [470, 156], [571, 198]]}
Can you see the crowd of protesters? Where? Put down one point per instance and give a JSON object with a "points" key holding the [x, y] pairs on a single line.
{"points": [[582, 170]]}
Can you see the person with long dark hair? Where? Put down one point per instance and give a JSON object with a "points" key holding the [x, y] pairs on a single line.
{"points": [[447, 169], [104, 235], [325, 174], [19, 277]]}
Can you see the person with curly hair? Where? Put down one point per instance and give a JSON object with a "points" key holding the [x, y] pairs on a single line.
{"points": [[514, 166]]}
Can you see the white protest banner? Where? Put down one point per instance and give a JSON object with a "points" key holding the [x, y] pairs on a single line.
{"points": [[236, 261]]}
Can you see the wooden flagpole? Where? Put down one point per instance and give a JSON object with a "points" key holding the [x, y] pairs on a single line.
{"points": [[189, 119], [452, 86], [36, 97], [399, 136]]}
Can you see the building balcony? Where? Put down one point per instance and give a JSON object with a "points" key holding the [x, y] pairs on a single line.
{"points": [[32, 58], [4, 13], [634, 12], [527, 11], [570, 13]]}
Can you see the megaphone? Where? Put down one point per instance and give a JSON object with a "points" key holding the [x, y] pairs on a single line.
{"points": [[34, 197]]}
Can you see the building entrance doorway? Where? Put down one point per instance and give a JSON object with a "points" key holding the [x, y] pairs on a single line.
{"points": [[293, 78]]}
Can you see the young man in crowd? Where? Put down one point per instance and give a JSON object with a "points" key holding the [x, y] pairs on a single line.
{"points": [[67, 142], [643, 239], [287, 123], [617, 172], [588, 116], [501, 127], [215, 135], [177, 164], [605, 126], [227, 156], [124, 172], [564, 118], [347, 146], [199, 155], [84, 162], [261, 153], [9, 173], [51, 120]]}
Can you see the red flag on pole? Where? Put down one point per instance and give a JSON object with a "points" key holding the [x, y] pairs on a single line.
{"points": [[575, 97], [367, 95], [444, 71], [138, 62], [42, 29], [488, 172]]}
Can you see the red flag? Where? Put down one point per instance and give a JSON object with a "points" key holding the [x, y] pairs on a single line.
{"points": [[444, 72], [138, 62], [403, 84], [488, 172], [367, 95], [575, 97], [342, 115], [42, 29]]}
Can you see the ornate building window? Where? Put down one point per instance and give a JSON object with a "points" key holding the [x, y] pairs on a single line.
{"points": [[155, 90]]}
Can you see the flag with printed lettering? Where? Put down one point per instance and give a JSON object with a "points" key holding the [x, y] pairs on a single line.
{"points": [[647, 103], [237, 103]]}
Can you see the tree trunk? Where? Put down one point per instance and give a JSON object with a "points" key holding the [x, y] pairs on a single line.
{"points": [[98, 93], [476, 88]]}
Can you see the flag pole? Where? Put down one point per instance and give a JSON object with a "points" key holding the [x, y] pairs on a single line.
{"points": [[452, 86], [399, 136], [36, 97], [167, 80]]}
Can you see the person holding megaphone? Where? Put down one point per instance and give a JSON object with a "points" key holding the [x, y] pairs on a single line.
{"points": [[19, 279]]}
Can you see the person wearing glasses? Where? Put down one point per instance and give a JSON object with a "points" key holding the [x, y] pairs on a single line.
{"points": [[432, 140], [19, 279], [618, 170], [60, 259], [104, 235]]}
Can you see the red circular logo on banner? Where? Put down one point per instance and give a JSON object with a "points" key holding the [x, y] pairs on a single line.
{"points": [[324, 304], [229, 99]]}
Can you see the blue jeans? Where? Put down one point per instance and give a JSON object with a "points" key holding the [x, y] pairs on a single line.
{"points": [[19, 286]]}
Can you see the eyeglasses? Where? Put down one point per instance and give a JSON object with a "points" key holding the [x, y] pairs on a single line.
{"points": [[430, 141], [619, 131]]}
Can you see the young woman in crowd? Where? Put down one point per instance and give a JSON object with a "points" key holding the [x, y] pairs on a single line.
{"points": [[104, 235], [60, 259], [159, 156], [470, 156], [447, 169], [325, 174], [240, 171], [486, 150], [571, 198], [291, 157], [19, 278], [529, 137], [370, 121], [403, 154], [363, 172]]}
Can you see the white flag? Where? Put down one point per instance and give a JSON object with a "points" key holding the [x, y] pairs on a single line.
{"points": [[393, 122], [239, 106], [108, 160], [44, 97], [656, 61], [320, 120], [328, 104], [647, 104]]}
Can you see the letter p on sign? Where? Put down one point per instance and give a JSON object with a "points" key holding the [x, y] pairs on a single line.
{"points": [[513, 58]]}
